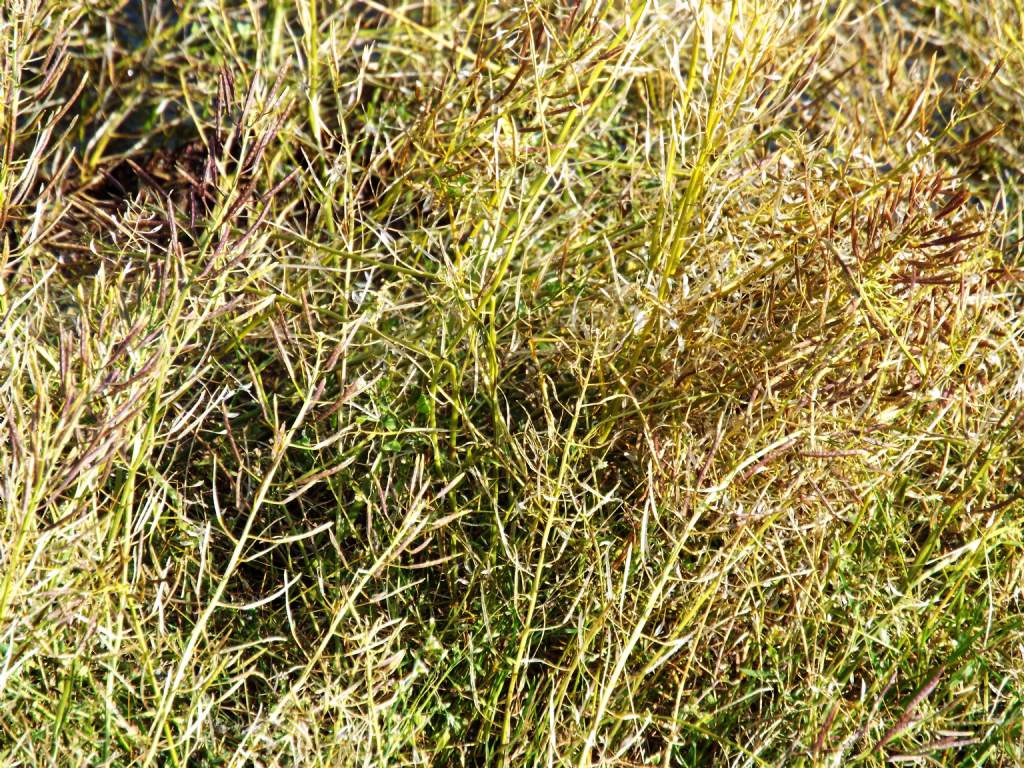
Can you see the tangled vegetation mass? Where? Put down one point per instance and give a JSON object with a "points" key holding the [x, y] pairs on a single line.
{"points": [[559, 382]]}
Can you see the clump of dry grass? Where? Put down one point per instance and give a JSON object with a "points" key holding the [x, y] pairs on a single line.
{"points": [[517, 384]]}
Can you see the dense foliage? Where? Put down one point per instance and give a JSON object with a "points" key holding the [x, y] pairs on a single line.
{"points": [[543, 383]]}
